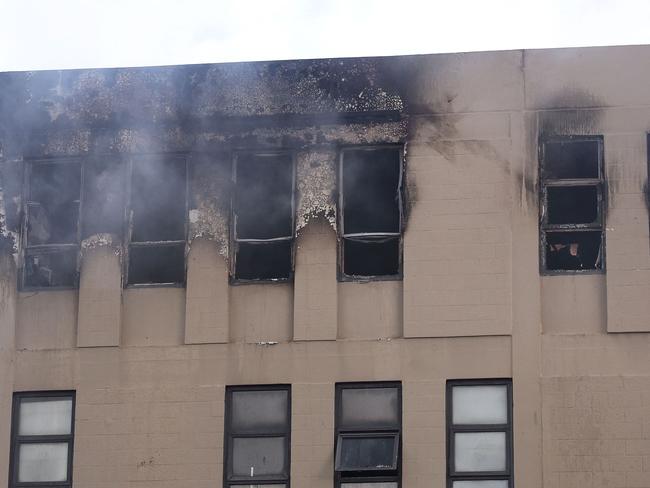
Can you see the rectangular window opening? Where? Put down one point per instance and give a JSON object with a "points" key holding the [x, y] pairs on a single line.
{"points": [[51, 226], [42, 438], [571, 207], [157, 220], [257, 436], [368, 431], [263, 216], [371, 211], [479, 433]]}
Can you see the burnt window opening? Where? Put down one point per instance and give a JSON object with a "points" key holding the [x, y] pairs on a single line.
{"points": [[368, 429], [51, 230], [572, 227], [263, 216], [371, 212], [479, 433], [103, 196], [157, 220], [257, 440]]}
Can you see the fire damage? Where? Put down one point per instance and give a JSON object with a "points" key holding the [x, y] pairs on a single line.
{"points": [[147, 160]]}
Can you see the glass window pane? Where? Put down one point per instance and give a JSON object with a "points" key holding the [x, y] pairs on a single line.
{"points": [[261, 486], [572, 205], [260, 410], [367, 453], [264, 260], [480, 451], [480, 404], [389, 484], [571, 159], [258, 456], [43, 462], [371, 256], [45, 417], [53, 268], [481, 484], [369, 407]]}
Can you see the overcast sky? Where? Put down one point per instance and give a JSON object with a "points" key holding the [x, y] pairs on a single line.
{"points": [[55, 34]]}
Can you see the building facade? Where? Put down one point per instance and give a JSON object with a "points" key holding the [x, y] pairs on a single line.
{"points": [[420, 271]]}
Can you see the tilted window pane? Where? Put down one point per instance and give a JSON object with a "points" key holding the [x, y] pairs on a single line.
{"points": [[43, 462], [481, 484], [370, 485], [369, 407], [45, 417], [260, 410], [367, 453], [480, 404], [480, 451], [258, 456]]}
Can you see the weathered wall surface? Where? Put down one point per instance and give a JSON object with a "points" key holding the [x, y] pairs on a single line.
{"points": [[471, 303]]}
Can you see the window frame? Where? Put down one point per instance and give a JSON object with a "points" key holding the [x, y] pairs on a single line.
{"points": [[452, 429], [601, 188], [128, 219], [364, 431], [341, 275], [229, 479], [234, 240], [48, 248], [17, 440]]}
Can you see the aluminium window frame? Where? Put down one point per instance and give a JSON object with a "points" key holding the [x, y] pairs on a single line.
{"points": [[370, 236], [452, 429], [601, 187], [131, 160], [17, 440], [365, 431], [234, 240], [48, 248], [229, 435]]}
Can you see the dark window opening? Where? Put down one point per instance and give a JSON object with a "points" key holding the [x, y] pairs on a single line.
{"points": [[571, 207], [157, 220], [371, 211], [51, 230], [257, 436], [42, 438], [368, 430], [263, 216], [104, 183], [479, 433]]}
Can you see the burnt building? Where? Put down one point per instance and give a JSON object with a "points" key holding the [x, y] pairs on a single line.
{"points": [[418, 271]]}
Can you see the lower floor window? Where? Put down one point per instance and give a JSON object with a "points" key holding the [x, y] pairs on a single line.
{"points": [[42, 439], [479, 434]]}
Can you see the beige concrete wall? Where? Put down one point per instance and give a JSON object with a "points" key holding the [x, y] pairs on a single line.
{"points": [[471, 304]]}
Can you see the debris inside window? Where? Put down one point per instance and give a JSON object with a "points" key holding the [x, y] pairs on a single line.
{"points": [[571, 211], [52, 224], [371, 211], [263, 214], [158, 220]]}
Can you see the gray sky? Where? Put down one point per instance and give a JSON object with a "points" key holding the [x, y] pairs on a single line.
{"points": [[55, 34]]}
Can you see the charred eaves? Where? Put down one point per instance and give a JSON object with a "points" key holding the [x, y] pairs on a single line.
{"points": [[572, 205], [157, 220], [371, 212], [263, 216]]}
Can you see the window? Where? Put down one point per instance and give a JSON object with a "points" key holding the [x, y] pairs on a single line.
{"points": [[157, 220], [370, 209], [257, 436], [51, 225], [42, 435], [571, 208], [263, 217], [479, 434], [368, 435]]}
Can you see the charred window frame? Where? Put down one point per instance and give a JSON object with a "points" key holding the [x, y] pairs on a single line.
{"points": [[572, 202], [370, 247], [257, 414], [32, 436], [468, 422], [263, 217], [378, 425], [156, 220], [51, 230]]}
